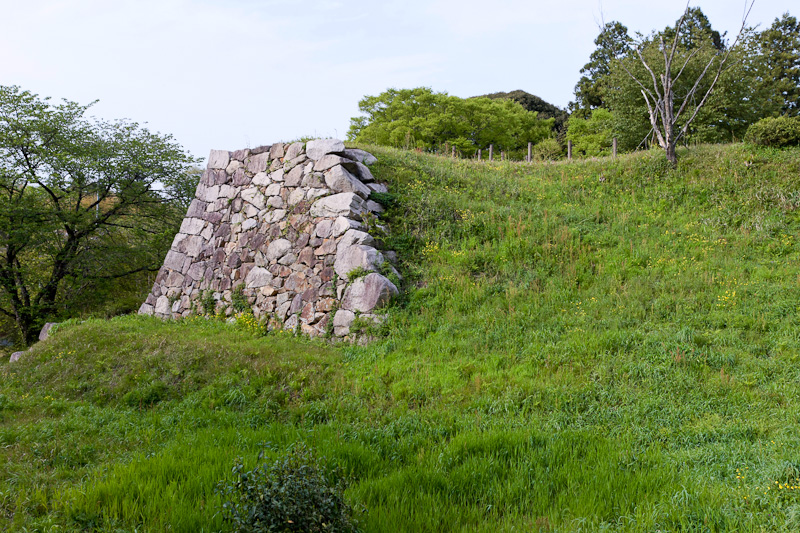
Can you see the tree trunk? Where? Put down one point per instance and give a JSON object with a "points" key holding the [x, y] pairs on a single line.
{"points": [[671, 157]]}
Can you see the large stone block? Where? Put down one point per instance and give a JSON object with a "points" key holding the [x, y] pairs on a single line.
{"points": [[320, 147], [277, 249], [340, 180], [368, 293], [346, 204], [254, 196], [192, 226], [294, 150], [219, 159], [329, 161], [258, 277], [257, 163], [361, 156], [357, 256]]}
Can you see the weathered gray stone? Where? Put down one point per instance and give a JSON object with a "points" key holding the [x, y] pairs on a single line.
{"points": [[359, 170], [16, 356], [368, 293], [353, 236], [357, 256], [207, 194], [288, 259], [45, 333], [296, 196], [343, 318], [313, 194], [261, 179], [346, 204], [340, 180], [258, 277], [342, 224], [294, 177], [277, 175], [294, 150], [277, 249], [276, 202], [162, 305], [233, 166], [219, 159], [277, 151], [361, 156], [375, 207], [320, 147], [377, 187], [146, 309], [329, 161], [323, 229], [227, 191], [257, 163], [175, 260], [254, 196]]}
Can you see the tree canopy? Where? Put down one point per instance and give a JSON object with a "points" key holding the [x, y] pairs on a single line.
{"points": [[423, 119], [718, 88], [82, 199], [531, 102]]}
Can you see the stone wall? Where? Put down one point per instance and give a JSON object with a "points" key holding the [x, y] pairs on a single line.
{"points": [[282, 225]]}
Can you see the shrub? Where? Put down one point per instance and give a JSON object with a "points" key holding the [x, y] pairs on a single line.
{"points": [[547, 150], [775, 132], [292, 494]]}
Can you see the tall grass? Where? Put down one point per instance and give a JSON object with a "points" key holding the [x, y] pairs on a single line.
{"points": [[595, 345]]}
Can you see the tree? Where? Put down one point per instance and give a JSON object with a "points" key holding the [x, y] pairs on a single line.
{"points": [[82, 199], [420, 118], [671, 112], [531, 102], [592, 136], [780, 62], [613, 42]]}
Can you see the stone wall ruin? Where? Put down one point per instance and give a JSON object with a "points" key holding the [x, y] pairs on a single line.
{"points": [[283, 224]]}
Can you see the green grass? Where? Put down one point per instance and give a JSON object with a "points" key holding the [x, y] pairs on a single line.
{"points": [[595, 345]]}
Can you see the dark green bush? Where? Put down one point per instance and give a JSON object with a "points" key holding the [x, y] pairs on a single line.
{"points": [[775, 132], [292, 494]]}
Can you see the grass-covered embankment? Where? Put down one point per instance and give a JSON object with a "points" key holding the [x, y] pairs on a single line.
{"points": [[601, 344]]}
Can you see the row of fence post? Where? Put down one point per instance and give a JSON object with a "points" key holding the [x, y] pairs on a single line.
{"points": [[529, 158]]}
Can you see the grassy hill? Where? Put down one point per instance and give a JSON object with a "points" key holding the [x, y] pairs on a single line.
{"points": [[583, 346]]}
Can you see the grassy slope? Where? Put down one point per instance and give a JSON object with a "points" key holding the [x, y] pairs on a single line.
{"points": [[588, 345]]}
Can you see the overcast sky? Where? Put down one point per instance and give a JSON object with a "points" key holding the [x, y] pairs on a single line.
{"points": [[239, 73]]}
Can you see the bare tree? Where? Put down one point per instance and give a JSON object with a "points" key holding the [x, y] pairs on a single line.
{"points": [[660, 98]]}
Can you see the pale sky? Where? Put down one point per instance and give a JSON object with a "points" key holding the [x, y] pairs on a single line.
{"points": [[228, 75]]}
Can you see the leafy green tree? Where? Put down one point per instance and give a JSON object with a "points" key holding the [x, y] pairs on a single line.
{"points": [[423, 119], [82, 200], [779, 62], [591, 136], [531, 102], [613, 42], [695, 31]]}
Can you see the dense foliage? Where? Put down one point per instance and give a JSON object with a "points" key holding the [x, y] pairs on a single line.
{"points": [[84, 201], [292, 494], [777, 132], [760, 78], [426, 120], [591, 136], [531, 102]]}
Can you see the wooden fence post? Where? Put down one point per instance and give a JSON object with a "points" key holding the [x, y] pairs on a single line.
{"points": [[614, 147], [569, 149], [530, 145], [491, 152], [479, 154], [454, 151]]}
